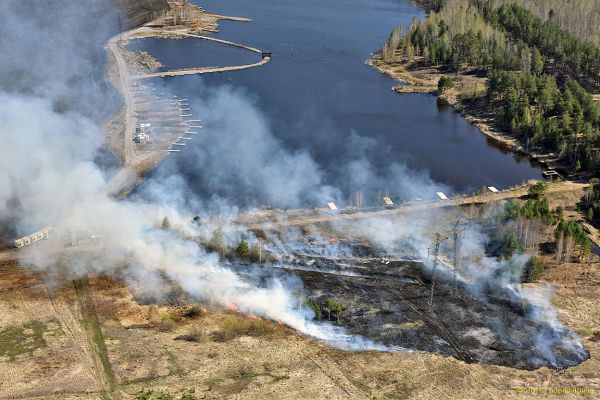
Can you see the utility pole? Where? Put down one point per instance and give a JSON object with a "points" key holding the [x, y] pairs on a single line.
{"points": [[436, 251], [359, 199], [456, 232]]}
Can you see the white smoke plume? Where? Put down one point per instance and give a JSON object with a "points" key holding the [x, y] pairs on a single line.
{"points": [[50, 177], [61, 186]]}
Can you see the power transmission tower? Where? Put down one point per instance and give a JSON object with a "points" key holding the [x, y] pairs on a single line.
{"points": [[456, 232], [436, 251]]}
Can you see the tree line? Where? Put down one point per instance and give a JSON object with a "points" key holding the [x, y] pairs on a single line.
{"points": [[457, 36], [525, 225], [578, 57], [520, 53], [565, 120], [580, 17]]}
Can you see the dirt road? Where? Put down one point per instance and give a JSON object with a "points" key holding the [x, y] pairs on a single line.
{"points": [[124, 80], [410, 207]]}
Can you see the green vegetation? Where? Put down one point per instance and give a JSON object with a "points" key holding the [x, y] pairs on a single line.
{"points": [[523, 226], [444, 84], [458, 36], [510, 245], [316, 309], [93, 332], [577, 57], [174, 368], [591, 203], [539, 72], [533, 270], [580, 17], [532, 209], [568, 234], [24, 339], [565, 120], [335, 309], [536, 190], [242, 250]]}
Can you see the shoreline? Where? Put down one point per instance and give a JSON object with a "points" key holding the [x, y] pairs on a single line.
{"points": [[121, 70], [426, 83]]}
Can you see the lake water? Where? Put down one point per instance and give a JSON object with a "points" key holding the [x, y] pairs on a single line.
{"points": [[318, 95]]}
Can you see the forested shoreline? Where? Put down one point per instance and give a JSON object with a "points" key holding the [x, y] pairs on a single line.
{"points": [[539, 75]]}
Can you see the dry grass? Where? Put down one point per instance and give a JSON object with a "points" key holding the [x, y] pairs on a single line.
{"points": [[235, 326]]}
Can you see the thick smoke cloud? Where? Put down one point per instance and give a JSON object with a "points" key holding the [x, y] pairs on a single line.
{"points": [[53, 49], [238, 159], [51, 140]]}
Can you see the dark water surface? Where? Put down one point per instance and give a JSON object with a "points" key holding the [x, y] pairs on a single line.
{"points": [[193, 52], [317, 92]]}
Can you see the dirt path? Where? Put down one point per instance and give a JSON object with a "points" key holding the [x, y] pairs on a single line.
{"points": [[124, 80], [72, 329], [95, 340], [201, 70], [330, 368], [412, 207]]}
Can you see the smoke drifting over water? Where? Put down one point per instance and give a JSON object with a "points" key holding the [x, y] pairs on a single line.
{"points": [[238, 159], [50, 178]]}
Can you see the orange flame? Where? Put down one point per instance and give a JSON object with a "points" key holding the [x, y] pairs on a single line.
{"points": [[234, 308]]}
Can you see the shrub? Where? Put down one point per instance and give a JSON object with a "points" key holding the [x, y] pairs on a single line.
{"points": [[444, 84], [316, 309], [234, 327], [242, 250], [167, 324], [334, 308], [533, 270], [537, 190], [193, 311]]}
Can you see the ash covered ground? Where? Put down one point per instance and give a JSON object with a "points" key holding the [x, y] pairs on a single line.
{"points": [[387, 301]]}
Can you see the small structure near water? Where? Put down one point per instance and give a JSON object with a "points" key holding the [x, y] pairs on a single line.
{"points": [[142, 134]]}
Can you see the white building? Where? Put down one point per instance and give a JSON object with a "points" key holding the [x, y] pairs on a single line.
{"points": [[34, 237], [142, 134]]}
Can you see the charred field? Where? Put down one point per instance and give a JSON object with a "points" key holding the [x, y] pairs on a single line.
{"points": [[387, 301]]}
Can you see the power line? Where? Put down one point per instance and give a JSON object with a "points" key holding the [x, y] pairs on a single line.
{"points": [[457, 230], [436, 251]]}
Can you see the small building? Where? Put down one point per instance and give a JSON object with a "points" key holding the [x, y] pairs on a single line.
{"points": [[442, 195], [34, 237], [388, 201], [331, 205], [492, 189], [142, 134]]}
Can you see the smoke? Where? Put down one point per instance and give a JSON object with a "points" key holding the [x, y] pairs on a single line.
{"points": [[55, 50], [238, 159], [51, 141]]}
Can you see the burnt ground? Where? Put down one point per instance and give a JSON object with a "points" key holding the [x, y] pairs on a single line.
{"points": [[389, 303]]}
